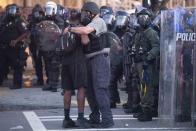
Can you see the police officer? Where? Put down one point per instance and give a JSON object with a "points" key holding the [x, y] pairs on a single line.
{"points": [[98, 65], [52, 58], [7, 68], [108, 16], [33, 19], [146, 43], [63, 13], [12, 49], [121, 27], [133, 93]]}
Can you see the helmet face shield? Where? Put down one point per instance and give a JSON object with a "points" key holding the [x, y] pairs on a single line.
{"points": [[49, 10], [108, 19], [121, 20], [104, 12], [12, 10], [60, 12]]}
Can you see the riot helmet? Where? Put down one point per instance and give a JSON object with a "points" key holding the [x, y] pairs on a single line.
{"points": [[144, 18], [105, 10], [60, 10], [107, 14], [38, 12], [66, 14], [109, 19], [12, 10], [122, 19], [88, 12], [50, 8]]}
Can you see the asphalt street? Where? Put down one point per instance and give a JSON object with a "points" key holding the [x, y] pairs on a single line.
{"points": [[51, 120]]}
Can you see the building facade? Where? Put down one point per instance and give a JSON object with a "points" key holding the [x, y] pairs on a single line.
{"points": [[126, 4], [31, 3]]}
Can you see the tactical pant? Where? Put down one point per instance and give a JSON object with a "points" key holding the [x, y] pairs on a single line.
{"points": [[131, 84], [146, 85], [52, 65], [98, 69], [7, 69], [15, 58], [38, 64], [116, 74]]}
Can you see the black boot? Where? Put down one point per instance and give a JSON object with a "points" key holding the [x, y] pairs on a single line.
{"points": [[137, 111], [125, 106], [68, 123], [146, 115], [128, 109], [136, 115], [133, 109], [47, 88], [112, 105], [54, 89]]}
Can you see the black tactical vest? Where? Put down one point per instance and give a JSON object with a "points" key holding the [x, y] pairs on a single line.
{"points": [[10, 31], [97, 43]]}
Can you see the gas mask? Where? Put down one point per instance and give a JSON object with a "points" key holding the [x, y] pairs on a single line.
{"points": [[143, 20], [38, 15], [86, 17]]}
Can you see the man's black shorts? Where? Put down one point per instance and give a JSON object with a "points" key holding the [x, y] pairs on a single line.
{"points": [[74, 76]]}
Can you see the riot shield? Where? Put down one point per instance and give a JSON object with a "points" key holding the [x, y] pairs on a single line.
{"points": [[47, 35], [112, 41], [193, 114], [178, 64]]}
